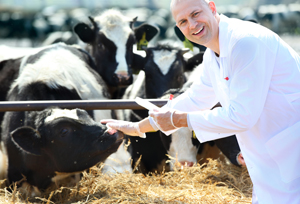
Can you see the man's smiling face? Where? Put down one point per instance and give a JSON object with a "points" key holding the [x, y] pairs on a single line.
{"points": [[197, 20]]}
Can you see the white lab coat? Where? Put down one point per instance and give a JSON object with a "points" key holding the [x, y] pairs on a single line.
{"points": [[257, 82]]}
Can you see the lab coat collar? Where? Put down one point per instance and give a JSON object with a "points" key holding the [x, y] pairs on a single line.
{"points": [[224, 35]]}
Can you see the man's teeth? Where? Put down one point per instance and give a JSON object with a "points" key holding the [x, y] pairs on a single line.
{"points": [[198, 31]]}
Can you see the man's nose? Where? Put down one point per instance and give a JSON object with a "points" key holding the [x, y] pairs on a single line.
{"points": [[192, 23]]}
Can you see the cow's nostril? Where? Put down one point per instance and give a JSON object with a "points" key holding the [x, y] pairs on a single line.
{"points": [[123, 76]]}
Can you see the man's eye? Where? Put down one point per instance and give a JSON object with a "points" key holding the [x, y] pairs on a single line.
{"points": [[195, 14], [182, 23]]}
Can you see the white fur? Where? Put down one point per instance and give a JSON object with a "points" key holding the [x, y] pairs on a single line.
{"points": [[164, 59], [181, 147], [118, 162], [116, 27], [31, 51], [136, 86], [56, 68], [58, 113], [3, 162]]}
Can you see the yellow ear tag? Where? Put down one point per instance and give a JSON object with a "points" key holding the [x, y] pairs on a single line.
{"points": [[188, 44], [143, 43], [194, 135]]}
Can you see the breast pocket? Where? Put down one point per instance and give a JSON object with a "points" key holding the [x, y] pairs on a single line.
{"points": [[285, 151]]}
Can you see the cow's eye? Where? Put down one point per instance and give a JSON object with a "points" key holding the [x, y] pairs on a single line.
{"points": [[64, 132], [179, 78]]}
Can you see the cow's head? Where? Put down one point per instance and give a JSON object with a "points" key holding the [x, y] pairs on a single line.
{"points": [[182, 145], [165, 68], [111, 38], [67, 140]]}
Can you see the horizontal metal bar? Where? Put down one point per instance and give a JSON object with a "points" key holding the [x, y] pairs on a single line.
{"points": [[83, 104]]}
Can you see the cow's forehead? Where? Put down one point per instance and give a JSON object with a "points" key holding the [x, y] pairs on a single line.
{"points": [[164, 59], [58, 113], [182, 146], [115, 26]]}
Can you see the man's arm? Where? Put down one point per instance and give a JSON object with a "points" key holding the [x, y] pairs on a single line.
{"points": [[145, 125], [130, 128]]}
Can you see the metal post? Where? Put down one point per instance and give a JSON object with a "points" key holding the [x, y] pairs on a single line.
{"points": [[71, 104]]}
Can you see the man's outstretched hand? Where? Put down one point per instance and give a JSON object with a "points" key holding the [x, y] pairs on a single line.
{"points": [[128, 128]]}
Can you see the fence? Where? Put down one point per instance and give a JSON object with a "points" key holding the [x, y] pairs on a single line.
{"points": [[71, 104]]}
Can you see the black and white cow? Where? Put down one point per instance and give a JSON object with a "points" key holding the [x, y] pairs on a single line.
{"points": [[163, 68], [10, 61], [9, 70], [53, 143], [39, 144], [110, 41]]}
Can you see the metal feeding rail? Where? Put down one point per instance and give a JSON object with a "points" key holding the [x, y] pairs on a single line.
{"points": [[71, 104]]}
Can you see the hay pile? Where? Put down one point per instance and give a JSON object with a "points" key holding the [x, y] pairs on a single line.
{"points": [[213, 182]]}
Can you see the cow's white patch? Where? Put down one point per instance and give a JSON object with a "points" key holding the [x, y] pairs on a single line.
{"points": [[56, 68], [29, 53], [118, 162], [58, 113], [137, 85], [163, 59], [182, 147], [3, 162], [116, 27]]}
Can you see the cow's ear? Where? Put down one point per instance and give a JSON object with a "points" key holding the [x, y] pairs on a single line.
{"points": [[131, 24], [3, 63], [186, 42], [184, 50], [179, 34], [84, 32], [194, 61], [143, 34], [28, 139], [7, 63]]}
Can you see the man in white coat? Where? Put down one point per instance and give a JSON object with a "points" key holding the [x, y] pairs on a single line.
{"points": [[256, 78]]}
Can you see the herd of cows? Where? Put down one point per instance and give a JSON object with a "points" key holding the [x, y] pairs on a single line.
{"points": [[41, 147], [48, 23]]}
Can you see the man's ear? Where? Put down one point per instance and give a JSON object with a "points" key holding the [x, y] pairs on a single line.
{"points": [[212, 7]]}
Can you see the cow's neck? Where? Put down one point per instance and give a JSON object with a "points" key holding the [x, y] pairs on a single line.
{"points": [[114, 92]]}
